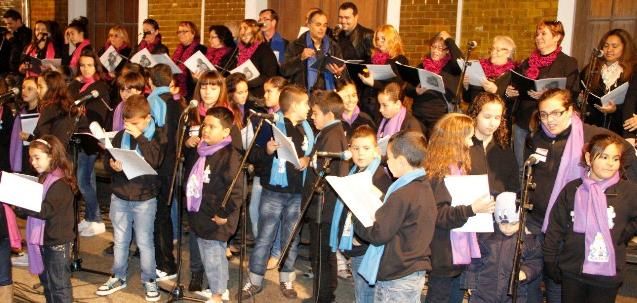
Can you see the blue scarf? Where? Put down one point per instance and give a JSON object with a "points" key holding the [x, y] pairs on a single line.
{"points": [[346, 240], [158, 105], [312, 72], [149, 132], [371, 261], [278, 44], [279, 176]]}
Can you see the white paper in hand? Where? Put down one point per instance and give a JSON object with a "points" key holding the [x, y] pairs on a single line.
{"points": [[110, 59], [286, 150], [143, 58], [359, 194], [199, 63], [164, 59], [99, 133], [382, 145], [248, 69], [617, 95], [381, 71], [28, 122], [21, 191], [474, 72], [132, 163], [465, 190], [431, 81]]}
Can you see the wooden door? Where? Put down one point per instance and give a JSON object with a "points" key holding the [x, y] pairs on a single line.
{"points": [[102, 15], [593, 18], [371, 13]]}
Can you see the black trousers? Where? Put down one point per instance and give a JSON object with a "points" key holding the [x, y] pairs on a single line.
{"points": [[576, 291], [163, 236], [328, 268]]}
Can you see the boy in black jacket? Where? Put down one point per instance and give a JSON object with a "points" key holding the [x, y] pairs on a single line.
{"points": [[327, 108], [209, 179], [134, 201]]}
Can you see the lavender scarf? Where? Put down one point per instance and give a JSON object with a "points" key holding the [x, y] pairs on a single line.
{"points": [[35, 229], [118, 117], [15, 147], [570, 168], [196, 179], [393, 125], [591, 219], [355, 114], [464, 245]]}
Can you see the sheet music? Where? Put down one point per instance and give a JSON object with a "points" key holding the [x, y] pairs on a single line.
{"points": [[133, 164], [465, 190], [21, 191], [548, 83], [28, 123], [382, 145], [381, 71], [248, 69], [144, 58], [199, 63], [286, 150], [431, 80], [164, 59], [474, 72], [110, 59], [100, 134], [359, 194], [617, 95]]}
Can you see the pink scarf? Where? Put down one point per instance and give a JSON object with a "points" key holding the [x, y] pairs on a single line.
{"points": [[493, 71], [182, 53], [464, 245], [216, 54], [118, 49], [435, 66], [150, 46], [12, 227], [86, 82], [380, 57], [75, 58], [246, 52], [393, 125], [537, 61]]}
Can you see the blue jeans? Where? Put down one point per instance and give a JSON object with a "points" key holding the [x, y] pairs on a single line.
{"points": [[56, 277], [255, 201], [445, 290], [363, 292], [215, 263], [86, 184], [139, 216], [406, 289], [196, 265], [519, 140], [276, 209], [173, 217]]}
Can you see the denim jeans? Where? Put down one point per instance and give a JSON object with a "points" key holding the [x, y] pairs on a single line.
{"points": [[56, 277], [445, 290], [255, 201], [406, 289], [86, 184], [519, 139], [276, 209], [363, 292], [173, 217], [215, 263], [139, 216]]}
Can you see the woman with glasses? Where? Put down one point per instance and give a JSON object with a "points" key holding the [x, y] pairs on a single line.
{"points": [[546, 61], [497, 69], [557, 144], [152, 38], [221, 44], [430, 105], [189, 44]]}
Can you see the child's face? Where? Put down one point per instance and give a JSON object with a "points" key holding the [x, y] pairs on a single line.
{"points": [[508, 229], [138, 122], [271, 95], [212, 130], [606, 164], [87, 66], [350, 97], [125, 93], [388, 108], [364, 150], [240, 96], [320, 119], [300, 109], [39, 160], [42, 88], [210, 94], [488, 120], [398, 165], [29, 91]]}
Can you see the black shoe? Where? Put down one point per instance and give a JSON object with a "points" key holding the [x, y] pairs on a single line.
{"points": [[195, 282]]}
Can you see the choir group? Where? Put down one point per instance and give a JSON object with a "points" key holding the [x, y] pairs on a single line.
{"points": [[348, 102]]}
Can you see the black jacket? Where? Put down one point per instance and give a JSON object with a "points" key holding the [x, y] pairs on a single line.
{"points": [[498, 163], [55, 121], [358, 44], [405, 225], [21, 38], [222, 166], [6, 126], [266, 63], [630, 105], [369, 95], [295, 70], [564, 247], [362, 119], [96, 110], [173, 111]]}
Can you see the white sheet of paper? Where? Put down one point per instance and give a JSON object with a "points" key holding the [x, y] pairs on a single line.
{"points": [[247, 134], [28, 123], [474, 72], [144, 58], [248, 69], [302, 30], [286, 150], [431, 80], [277, 54], [110, 59], [199, 63], [382, 145], [16, 189], [194, 131], [359, 194], [102, 135], [617, 95], [381, 71], [132, 163], [548, 83], [164, 59], [465, 190], [53, 64]]}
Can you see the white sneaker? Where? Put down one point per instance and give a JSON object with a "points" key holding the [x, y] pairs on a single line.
{"points": [[112, 285], [206, 293], [21, 260], [94, 229], [83, 225], [152, 291], [162, 275]]}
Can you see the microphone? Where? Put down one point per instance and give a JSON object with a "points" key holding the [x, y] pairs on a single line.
{"points": [[344, 155], [271, 117], [598, 53], [532, 160], [260, 24], [472, 44], [14, 91], [94, 94], [191, 105]]}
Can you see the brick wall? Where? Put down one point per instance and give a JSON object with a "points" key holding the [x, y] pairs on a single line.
{"points": [[49, 10], [170, 12], [7, 4]]}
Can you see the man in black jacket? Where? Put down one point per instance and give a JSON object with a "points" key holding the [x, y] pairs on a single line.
{"points": [[354, 39], [15, 39]]}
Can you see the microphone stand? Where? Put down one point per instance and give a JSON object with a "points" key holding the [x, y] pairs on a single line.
{"points": [[316, 188], [525, 206], [583, 104], [458, 97]]}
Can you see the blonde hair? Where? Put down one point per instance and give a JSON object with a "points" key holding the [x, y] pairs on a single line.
{"points": [[508, 40], [392, 38], [120, 31], [447, 146]]}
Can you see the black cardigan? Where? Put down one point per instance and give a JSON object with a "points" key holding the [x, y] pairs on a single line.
{"points": [[498, 163], [266, 63]]}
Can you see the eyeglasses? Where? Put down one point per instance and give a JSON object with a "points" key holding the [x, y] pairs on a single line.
{"points": [[182, 32], [555, 114], [500, 50], [439, 48], [213, 37]]}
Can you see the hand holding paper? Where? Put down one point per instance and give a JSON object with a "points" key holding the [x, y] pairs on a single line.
{"points": [[359, 194], [469, 190]]}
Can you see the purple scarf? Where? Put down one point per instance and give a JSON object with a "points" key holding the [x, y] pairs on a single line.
{"points": [[392, 126], [464, 245], [35, 229], [15, 147], [570, 168], [351, 119], [196, 179], [591, 219], [118, 117]]}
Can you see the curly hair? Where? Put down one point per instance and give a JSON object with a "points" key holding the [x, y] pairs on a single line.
{"points": [[501, 135], [447, 146]]}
